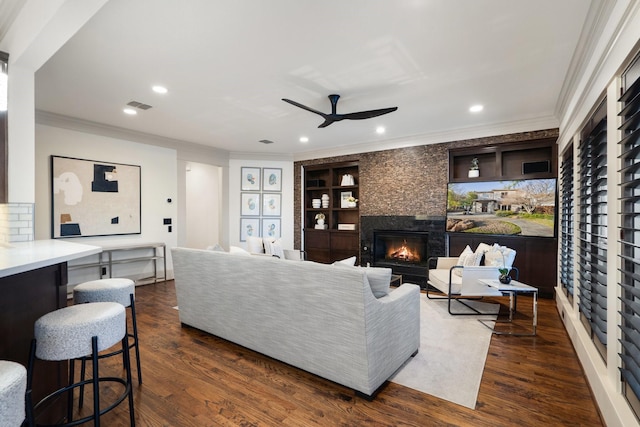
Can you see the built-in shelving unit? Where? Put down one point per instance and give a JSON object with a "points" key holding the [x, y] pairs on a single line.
{"points": [[536, 256], [333, 242], [531, 159]]}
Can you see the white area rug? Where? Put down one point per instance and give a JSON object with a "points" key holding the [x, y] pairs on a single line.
{"points": [[452, 353]]}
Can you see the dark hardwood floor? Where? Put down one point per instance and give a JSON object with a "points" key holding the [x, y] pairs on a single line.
{"points": [[194, 379]]}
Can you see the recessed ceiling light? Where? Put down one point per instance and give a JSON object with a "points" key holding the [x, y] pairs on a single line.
{"points": [[380, 130], [476, 108], [130, 111], [159, 89], [304, 139]]}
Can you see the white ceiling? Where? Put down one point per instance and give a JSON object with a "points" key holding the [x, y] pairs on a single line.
{"points": [[228, 63]]}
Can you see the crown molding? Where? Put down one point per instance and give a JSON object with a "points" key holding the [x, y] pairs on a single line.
{"points": [[435, 138], [606, 61], [186, 150]]}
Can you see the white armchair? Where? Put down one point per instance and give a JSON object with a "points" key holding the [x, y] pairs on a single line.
{"points": [[459, 280]]}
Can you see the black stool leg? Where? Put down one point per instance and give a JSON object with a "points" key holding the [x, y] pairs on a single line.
{"points": [[135, 337], [127, 366], [96, 382], [28, 397], [83, 370], [72, 374]]}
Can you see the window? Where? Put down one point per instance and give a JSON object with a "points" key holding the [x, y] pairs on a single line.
{"points": [[592, 241], [566, 223], [630, 234]]}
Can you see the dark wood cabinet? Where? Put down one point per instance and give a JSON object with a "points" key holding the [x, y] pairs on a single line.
{"points": [[533, 159], [334, 242], [537, 257]]}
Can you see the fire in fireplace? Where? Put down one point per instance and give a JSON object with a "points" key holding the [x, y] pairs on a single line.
{"points": [[398, 248]]}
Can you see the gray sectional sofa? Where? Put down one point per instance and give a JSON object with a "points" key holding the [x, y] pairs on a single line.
{"points": [[320, 318]]}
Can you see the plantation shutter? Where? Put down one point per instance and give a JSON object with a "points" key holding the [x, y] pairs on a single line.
{"points": [[592, 256], [630, 234], [566, 223]]}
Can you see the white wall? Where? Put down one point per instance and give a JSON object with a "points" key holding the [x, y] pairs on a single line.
{"points": [[234, 198], [158, 182], [203, 205]]}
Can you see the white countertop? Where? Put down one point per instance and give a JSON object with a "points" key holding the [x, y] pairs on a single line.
{"points": [[26, 256]]}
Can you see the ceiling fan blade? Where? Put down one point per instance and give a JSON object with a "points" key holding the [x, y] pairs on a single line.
{"points": [[361, 115], [328, 120], [304, 107]]}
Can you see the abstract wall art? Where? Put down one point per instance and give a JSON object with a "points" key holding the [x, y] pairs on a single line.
{"points": [[94, 198]]}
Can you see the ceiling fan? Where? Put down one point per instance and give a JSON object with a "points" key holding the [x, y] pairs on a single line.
{"points": [[335, 117]]}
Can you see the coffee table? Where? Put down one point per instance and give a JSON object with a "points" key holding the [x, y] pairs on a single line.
{"points": [[513, 289], [396, 280]]}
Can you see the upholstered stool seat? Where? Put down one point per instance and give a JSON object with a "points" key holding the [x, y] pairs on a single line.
{"points": [[75, 332], [13, 384], [120, 290]]}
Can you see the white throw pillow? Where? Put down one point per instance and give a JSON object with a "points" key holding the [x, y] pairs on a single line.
{"points": [[274, 247], [351, 261], [238, 251], [254, 244], [500, 256], [467, 258], [493, 258]]}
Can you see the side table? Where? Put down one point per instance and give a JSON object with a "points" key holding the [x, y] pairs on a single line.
{"points": [[513, 289]]}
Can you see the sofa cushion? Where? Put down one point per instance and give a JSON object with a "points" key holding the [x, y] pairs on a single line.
{"points": [[379, 278], [216, 248], [254, 245], [439, 279], [235, 250]]}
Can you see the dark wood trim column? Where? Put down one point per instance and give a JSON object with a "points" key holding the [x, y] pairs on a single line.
{"points": [[25, 297]]}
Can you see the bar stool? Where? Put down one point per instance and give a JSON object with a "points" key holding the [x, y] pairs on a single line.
{"points": [[13, 385], [75, 332], [118, 290]]}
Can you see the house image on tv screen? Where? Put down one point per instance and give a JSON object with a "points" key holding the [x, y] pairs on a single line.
{"points": [[522, 207]]}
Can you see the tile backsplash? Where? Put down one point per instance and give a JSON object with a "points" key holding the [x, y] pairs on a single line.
{"points": [[16, 222]]}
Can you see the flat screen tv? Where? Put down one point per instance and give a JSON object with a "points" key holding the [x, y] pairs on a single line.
{"points": [[519, 207]]}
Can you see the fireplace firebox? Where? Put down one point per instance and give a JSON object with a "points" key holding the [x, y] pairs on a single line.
{"points": [[405, 252]]}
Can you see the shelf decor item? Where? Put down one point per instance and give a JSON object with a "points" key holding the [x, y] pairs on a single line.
{"points": [[504, 276], [474, 169], [344, 198], [352, 202]]}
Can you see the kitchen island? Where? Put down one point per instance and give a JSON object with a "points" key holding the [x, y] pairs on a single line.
{"points": [[33, 282]]}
